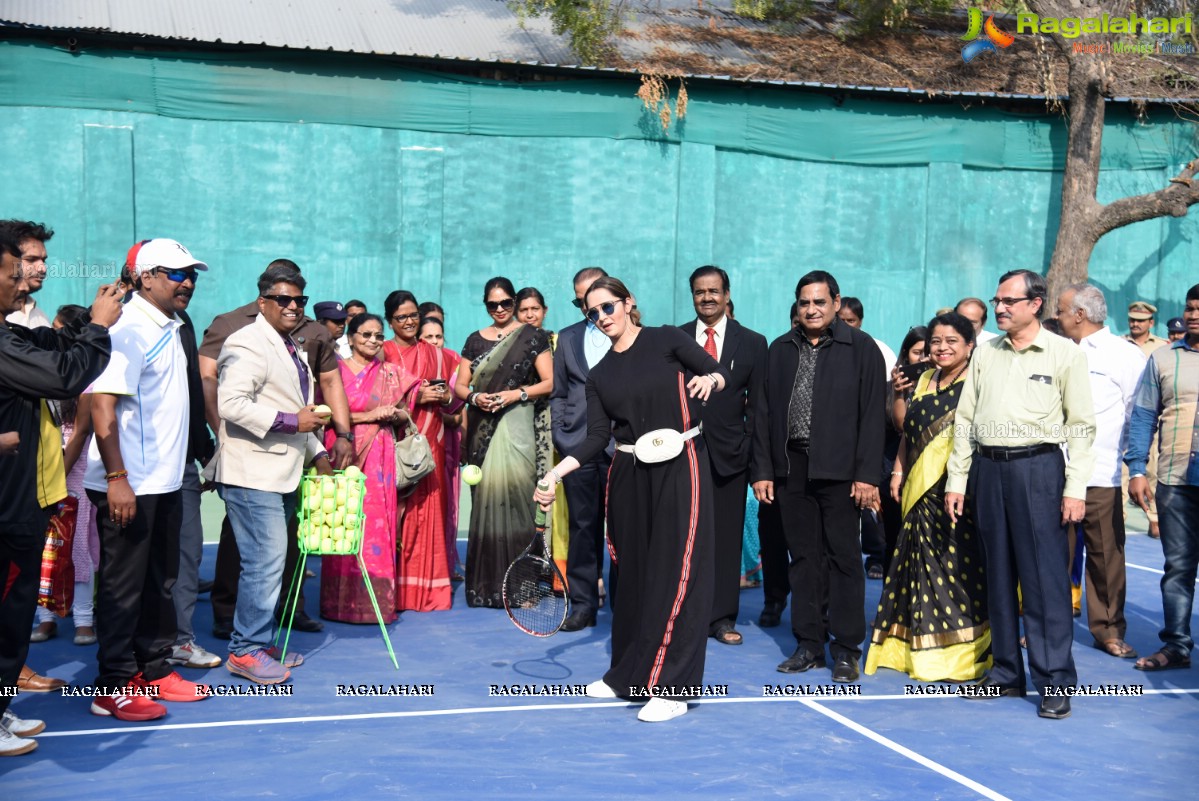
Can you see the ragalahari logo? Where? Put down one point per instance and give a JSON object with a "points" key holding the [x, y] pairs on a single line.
{"points": [[992, 36]]}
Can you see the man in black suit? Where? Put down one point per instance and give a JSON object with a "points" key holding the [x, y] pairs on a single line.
{"points": [[729, 418], [824, 436], [580, 347]]}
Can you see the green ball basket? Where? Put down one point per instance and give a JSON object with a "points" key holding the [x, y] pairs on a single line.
{"points": [[330, 512]]}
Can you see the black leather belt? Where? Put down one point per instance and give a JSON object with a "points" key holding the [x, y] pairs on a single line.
{"points": [[1012, 454], [798, 445]]}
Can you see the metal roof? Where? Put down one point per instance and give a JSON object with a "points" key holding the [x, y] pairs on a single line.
{"points": [[473, 30], [481, 31]]}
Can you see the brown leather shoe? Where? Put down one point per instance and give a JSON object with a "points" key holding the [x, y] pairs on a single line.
{"points": [[31, 682]]}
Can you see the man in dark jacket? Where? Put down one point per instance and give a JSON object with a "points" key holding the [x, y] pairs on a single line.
{"points": [[34, 365], [824, 391]]}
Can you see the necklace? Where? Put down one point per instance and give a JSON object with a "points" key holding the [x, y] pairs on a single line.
{"points": [[952, 378], [500, 334]]}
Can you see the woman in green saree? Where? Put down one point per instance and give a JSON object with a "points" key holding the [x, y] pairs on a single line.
{"points": [[506, 376], [932, 617]]}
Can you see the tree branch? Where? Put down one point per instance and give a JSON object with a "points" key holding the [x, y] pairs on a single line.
{"points": [[1173, 200]]}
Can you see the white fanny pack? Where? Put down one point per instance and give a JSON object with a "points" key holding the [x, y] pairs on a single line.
{"points": [[660, 445]]}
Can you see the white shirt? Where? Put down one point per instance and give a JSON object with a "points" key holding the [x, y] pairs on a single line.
{"points": [[148, 374], [343, 346], [31, 316], [701, 333], [984, 336], [888, 359], [1115, 366]]}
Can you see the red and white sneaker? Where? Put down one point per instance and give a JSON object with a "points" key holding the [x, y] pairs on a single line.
{"points": [[133, 705], [173, 687]]}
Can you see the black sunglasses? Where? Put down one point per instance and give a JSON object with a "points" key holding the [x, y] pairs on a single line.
{"points": [[577, 303], [286, 300], [377, 337], [608, 310], [496, 305]]}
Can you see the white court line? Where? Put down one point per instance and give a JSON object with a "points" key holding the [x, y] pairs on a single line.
{"points": [[1150, 569], [936, 767], [430, 713]]}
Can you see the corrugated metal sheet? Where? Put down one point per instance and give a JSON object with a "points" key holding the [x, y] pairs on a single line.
{"points": [[472, 30]]}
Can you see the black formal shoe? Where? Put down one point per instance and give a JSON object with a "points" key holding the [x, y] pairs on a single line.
{"points": [[1054, 707], [801, 661], [577, 621], [301, 622], [986, 688], [771, 615], [222, 628], [845, 669], [204, 587]]}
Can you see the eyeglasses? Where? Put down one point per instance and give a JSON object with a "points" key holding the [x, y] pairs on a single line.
{"points": [[997, 302], [577, 303], [377, 337], [178, 276], [607, 309], [286, 300], [495, 305], [403, 318]]}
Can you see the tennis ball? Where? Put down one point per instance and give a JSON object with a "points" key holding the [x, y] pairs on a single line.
{"points": [[313, 542], [328, 489], [472, 474], [327, 545], [322, 410], [314, 500], [339, 518], [353, 472], [339, 533], [352, 520], [341, 497]]}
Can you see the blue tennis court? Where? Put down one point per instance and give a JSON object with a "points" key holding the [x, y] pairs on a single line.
{"points": [[444, 733]]}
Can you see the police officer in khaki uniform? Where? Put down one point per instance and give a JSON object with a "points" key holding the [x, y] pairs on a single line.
{"points": [[1141, 317]]}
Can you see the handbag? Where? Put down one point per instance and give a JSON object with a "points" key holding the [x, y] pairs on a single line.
{"points": [[56, 592], [414, 457], [659, 445]]}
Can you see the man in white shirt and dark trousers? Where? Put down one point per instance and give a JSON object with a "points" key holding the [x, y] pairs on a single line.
{"points": [[134, 478], [1115, 367]]}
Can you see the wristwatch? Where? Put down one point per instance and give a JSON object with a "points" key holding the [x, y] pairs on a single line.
{"points": [[524, 396], [348, 436]]}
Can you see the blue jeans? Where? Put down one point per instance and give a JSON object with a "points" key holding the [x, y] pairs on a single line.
{"points": [[259, 522], [1178, 514]]}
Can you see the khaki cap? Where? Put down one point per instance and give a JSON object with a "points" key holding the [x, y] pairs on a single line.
{"points": [[1140, 310]]}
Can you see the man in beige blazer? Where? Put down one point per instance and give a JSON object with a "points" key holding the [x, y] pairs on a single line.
{"points": [[264, 397]]}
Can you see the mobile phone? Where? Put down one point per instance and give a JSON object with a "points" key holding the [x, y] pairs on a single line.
{"points": [[912, 372], [437, 382]]}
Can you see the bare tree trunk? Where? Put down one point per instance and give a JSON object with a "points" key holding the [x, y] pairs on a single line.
{"points": [[1077, 232]]}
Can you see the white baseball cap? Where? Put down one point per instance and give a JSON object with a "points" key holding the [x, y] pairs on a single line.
{"points": [[165, 253]]}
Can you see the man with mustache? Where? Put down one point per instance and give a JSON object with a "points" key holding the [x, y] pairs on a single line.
{"points": [[1026, 394], [140, 412]]}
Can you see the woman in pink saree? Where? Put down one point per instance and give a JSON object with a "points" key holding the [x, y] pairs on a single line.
{"points": [[423, 567], [378, 393]]}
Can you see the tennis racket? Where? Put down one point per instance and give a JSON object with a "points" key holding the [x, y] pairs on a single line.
{"points": [[530, 599]]}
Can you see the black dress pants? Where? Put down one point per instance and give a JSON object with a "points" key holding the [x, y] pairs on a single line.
{"points": [[728, 494], [586, 490], [776, 584], [20, 553], [828, 582], [135, 612], [1018, 514]]}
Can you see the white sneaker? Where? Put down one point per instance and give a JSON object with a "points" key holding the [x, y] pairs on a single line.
{"points": [[21, 728], [597, 689], [193, 655], [661, 709], [12, 745]]}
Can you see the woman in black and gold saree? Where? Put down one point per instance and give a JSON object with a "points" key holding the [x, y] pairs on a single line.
{"points": [[932, 617], [506, 376]]}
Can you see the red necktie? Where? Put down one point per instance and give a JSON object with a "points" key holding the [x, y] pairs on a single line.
{"points": [[710, 345]]}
